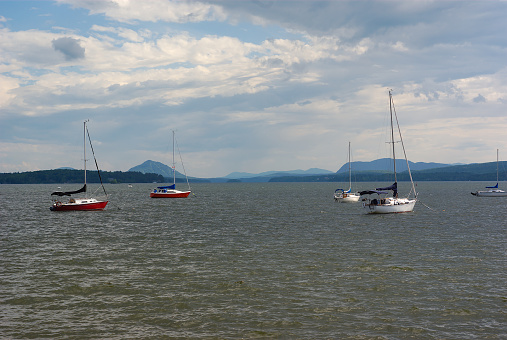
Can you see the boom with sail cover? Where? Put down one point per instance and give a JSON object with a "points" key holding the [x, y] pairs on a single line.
{"points": [[393, 187], [68, 193], [173, 186]]}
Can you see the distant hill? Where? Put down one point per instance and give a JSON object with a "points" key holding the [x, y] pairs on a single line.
{"points": [[386, 164], [152, 167], [465, 172]]}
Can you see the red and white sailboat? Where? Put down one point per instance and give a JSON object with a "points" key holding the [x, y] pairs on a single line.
{"points": [[86, 203], [170, 191]]}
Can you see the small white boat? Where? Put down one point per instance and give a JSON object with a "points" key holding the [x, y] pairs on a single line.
{"points": [[347, 196], [490, 193], [493, 191], [382, 204]]}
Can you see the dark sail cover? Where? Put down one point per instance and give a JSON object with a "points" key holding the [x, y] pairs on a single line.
{"points": [[168, 187], [68, 193], [369, 192], [393, 187], [494, 187]]}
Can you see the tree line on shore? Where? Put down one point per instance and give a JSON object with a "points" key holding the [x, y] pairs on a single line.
{"points": [[59, 176]]}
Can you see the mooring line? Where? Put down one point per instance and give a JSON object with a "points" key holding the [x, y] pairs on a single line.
{"points": [[427, 206]]}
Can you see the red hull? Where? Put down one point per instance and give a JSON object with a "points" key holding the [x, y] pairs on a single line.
{"points": [[74, 207], [182, 194]]}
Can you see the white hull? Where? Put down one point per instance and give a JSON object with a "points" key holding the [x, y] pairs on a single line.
{"points": [[347, 198], [389, 205], [490, 193]]}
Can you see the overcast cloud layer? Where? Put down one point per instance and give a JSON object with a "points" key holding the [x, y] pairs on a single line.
{"points": [[250, 85]]}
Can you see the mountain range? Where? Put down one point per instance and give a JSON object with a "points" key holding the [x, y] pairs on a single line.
{"points": [[386, 164], [150, 166], [378, 170], [362, 171], [312, 171]]}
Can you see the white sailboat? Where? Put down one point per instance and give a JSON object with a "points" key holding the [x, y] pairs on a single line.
{"points": [[170, 191], [493, 191], [382, 204], [342, 196]]}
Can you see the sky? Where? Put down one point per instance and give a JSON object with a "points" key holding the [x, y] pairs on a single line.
{"points": [[250, 86]]}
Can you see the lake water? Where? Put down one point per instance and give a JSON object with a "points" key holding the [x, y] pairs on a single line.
{"points": [[263, 260]]}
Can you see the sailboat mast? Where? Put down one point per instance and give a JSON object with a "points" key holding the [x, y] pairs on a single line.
{"points": [[350, 172], [497, 166], [403, 147], [174, 164], [84, 152], [392, 133]]}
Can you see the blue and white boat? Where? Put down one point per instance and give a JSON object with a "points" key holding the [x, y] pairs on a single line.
{"points": [[493, 191], [347, 196]]}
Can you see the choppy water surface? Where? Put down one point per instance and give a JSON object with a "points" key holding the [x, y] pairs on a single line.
{"points": [[253, 261]]}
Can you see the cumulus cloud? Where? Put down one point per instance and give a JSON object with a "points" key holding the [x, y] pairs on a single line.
{"points": [[121, 32], [479, 99], [267, 84], [70, 48], [152, 10]]}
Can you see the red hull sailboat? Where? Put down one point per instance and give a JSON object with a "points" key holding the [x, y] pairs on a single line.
{"points": [[170, 191], [79, 204], [74, 204]]}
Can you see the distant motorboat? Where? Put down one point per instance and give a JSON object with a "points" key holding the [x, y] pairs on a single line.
{"points": [[493, 191]]}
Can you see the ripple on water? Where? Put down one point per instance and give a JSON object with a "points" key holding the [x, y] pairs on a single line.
{"points": [[246, 261]]}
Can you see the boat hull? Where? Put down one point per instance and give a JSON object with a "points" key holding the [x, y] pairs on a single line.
{"points": [[491, 193], [392, 207], [97, 205], [172, 194], [347, 198]]}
